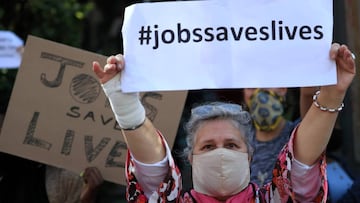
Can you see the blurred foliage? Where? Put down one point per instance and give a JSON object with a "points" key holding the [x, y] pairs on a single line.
{"points": [[60, 21]]}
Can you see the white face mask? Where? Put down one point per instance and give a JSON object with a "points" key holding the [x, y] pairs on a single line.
{"points": [[220, 172]]}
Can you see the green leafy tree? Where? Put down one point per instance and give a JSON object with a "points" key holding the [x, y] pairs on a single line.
{"points": [[60, 21]]}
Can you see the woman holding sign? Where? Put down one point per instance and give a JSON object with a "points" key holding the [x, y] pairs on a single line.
{"points": [[218, 146]]}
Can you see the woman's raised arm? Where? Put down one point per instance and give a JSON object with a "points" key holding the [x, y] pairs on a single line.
{"points": [[139, 133], [316, 127]]}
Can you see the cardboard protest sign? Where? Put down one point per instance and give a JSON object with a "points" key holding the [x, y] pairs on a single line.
{"points": [[59, 115]]}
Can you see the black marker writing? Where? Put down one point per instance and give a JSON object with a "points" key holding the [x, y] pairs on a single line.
{"points": [[63, 63]]}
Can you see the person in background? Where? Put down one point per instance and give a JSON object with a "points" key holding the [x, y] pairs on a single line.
{"points": [[92, 181], [272, 130], [62, 185], [97, 190], [219, 133], [271, 133]]}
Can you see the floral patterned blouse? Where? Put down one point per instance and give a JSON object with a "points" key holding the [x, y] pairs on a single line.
{"points": [[279, 190]]}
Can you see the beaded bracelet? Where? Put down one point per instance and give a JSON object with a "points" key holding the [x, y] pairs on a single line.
{"points": [[323, 108]]}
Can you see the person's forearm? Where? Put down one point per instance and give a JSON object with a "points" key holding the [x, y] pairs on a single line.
{"points": [[140, 134], [88, 196], [316, 127], [145, 144]]}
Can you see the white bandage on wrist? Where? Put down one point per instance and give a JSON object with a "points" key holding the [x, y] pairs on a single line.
{"points": [[128, 110]]}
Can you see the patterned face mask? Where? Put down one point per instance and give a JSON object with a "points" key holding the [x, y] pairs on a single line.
{"points": [[266, 109]]}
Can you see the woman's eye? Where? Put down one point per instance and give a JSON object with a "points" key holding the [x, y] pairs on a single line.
{"points": [[231, 146], [207, 147]]}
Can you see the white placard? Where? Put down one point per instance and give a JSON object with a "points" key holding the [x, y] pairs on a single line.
{"points": [[187, 45], [10, 49]]}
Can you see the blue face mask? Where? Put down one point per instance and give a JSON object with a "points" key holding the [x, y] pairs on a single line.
{"points": [[266, 109]]}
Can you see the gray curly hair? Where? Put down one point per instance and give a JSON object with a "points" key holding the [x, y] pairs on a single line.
{"points": [[218, 110]]}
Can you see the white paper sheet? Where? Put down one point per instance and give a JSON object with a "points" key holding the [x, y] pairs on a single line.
{"points": [[227, 44], [10, 45]]}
